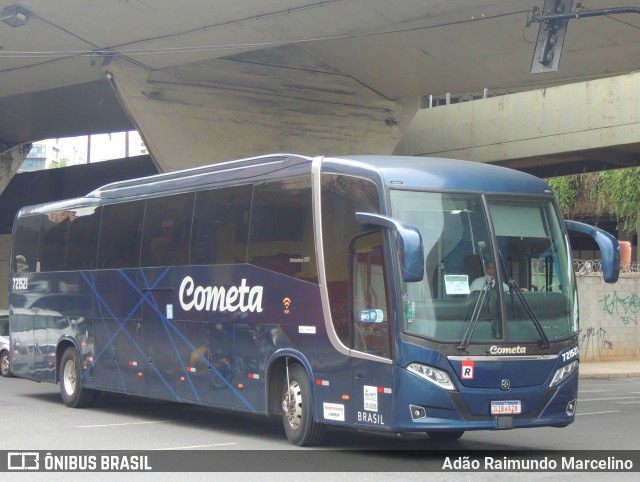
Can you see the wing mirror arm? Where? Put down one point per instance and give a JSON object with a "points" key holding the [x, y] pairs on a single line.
{"points": [[609, 248], [411, 250]]}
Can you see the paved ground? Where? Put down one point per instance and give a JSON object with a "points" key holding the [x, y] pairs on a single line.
{"points": [[610, 369]]}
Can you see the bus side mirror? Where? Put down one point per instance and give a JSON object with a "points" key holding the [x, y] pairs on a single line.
{"points": [[608, 245], [411, 251]]}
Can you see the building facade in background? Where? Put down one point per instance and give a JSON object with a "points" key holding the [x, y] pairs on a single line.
{"points": [[52, 153]]}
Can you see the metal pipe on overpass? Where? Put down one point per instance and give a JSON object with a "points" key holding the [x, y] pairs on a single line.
{"points": [[539, 18]]}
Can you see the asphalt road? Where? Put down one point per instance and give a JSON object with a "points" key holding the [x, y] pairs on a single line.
{"points": [[34, 418]]}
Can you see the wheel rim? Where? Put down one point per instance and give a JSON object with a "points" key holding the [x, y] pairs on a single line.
{"points": [[292, 404], [5, 364], [69, 377]]}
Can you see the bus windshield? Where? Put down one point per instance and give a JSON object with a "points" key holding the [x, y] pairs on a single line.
{"points": [[513, 282]]}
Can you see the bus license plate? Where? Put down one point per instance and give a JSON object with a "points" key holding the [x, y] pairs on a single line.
{"points": [[506, 407]]}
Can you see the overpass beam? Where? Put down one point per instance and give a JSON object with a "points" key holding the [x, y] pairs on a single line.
{"points": [[592, 125]]}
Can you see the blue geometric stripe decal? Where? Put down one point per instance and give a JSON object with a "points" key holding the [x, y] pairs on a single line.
{"points": [[173, 334]]}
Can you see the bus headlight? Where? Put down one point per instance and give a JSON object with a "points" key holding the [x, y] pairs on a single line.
{"points": [[438, 377], [563, 373]]}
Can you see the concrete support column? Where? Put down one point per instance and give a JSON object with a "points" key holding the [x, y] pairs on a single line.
{"points": [[10, 162], [187, 120], [5, 248]]}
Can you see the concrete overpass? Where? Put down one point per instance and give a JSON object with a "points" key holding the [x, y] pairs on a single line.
{"points": [[573, 128], [204, 82]]}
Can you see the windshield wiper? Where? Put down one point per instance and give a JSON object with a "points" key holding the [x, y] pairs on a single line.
{"points": [[475, 315], [513, 287], [466, 339]]}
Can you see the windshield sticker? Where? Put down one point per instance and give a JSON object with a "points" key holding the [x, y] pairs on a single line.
{"points": [[371, 398], [372, 316], [456, 284], [411, 311], [467, 369]]}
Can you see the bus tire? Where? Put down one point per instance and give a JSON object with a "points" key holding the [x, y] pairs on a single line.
{"points": [[72, 390], [297, 414], [445, 436], [5, 364]]}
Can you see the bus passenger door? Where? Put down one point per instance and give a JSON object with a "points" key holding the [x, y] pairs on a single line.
{"points": [[370, 332]]}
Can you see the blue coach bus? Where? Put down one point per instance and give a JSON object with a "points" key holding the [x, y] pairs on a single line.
{"points": [[395, 294]]}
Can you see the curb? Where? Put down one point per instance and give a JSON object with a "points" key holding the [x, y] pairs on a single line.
{"points": [[609, 376]]}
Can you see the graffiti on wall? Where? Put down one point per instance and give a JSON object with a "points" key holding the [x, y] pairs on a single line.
{"points": [[625, 307], [610, 316], [593, 342]]}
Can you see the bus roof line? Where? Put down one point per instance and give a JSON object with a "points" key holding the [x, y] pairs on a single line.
{"points": [[194, 173]]}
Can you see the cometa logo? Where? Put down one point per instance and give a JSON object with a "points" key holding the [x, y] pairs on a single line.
{"points": [[508, 350], [219, 298]]}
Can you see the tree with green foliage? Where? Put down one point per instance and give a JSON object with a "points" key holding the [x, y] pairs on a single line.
{"points": [[61, 163], [615, 192], [566, 191]]}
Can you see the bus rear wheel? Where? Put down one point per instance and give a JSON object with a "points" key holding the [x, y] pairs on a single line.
{"points": [[5, 364], [72, 390], [297, 415], [445, 436]]}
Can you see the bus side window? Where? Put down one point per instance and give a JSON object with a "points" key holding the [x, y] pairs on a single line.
{"points": [[82, 243], [120, 233], [166, 230], [25, 244], [221, 225], [53, 240], [281, 233]]}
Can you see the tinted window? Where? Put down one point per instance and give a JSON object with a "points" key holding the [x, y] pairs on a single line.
{"points": [[53, 240], [82, 246], [25, 244], [220, 226], [281, 232], [342, 197], [167, 230], [120, 233]]}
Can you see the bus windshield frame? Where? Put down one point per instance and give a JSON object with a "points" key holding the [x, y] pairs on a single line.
{"points": [[475, 243]]}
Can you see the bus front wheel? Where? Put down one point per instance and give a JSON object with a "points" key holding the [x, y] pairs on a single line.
{"points": [[297, 416], [74, 394]]}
